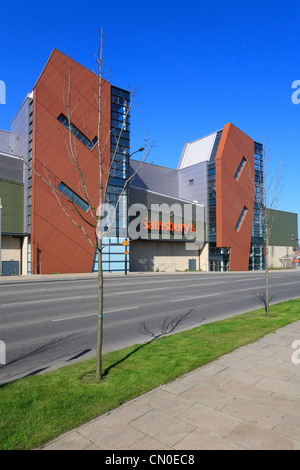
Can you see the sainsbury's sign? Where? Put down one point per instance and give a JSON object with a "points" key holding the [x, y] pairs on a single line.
{"points": [[175, 222], [169, 226]]}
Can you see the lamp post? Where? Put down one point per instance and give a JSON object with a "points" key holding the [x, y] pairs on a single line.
{"points": [[137, 151], [126, 242]]}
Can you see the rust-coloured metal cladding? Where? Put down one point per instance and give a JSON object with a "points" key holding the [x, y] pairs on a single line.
{"points": [[58, 245], [235, 196]]}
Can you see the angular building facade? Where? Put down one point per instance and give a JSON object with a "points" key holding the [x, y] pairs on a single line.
{"points": [[55, 243], [201, 215], [222, 172]]}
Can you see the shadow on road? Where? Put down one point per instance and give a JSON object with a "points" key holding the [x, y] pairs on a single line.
{"points": [[168, 327]]}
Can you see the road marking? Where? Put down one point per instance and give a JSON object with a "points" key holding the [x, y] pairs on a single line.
{"points": [[198, 297], [40, 300], [93, 314], [142, 290], [250, 288], [23, 292], [204, 285]]}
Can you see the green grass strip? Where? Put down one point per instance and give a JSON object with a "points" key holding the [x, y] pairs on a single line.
{"points": [[37, 409]]}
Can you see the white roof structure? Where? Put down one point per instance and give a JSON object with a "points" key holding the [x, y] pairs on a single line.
{"points": [[197, 151]]}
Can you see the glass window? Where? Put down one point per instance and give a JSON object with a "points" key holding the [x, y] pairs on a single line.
{"points": [[123, 124], [120, 132], [119, 141], [117, 265], [117, 249], [90, 144], [240, 168], [241, 218], [120, 92], [72, 196]]}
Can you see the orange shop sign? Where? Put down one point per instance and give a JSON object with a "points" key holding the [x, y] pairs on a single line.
{"points": [[167, 226]]}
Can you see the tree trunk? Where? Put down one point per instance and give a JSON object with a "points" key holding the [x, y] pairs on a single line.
{"points": [[267, 307], [100, 312]]}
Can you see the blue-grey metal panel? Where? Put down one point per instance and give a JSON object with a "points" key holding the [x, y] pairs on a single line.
{"points": [[192, 265], [155, 178], [5, 141], [11, 169], [20, 145], [10, 268], [193, 183]]}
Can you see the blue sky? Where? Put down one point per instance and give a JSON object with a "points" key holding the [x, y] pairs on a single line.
{"points": [[197, 66]]}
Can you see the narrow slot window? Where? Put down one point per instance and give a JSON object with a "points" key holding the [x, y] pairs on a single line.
{"points": [[73, 196], [90, 144], [241, 219], [240, 168]]}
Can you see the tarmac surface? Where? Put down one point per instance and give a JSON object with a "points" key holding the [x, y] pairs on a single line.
{"points": [[246, 400]]}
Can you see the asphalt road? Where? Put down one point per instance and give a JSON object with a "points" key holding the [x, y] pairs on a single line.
{"points": [[47, 324]]}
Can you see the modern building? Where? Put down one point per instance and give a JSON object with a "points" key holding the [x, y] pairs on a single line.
{"points": [[216, 172], [199, 216], [53, 186]]}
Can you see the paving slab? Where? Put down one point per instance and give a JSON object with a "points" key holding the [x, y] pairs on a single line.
{"points": [[249, 399]]}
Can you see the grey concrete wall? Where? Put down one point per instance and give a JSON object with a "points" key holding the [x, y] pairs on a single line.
{"points": [[280, 257], [165, 256]]}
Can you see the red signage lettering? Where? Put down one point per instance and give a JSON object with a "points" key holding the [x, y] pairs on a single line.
{"points": [[167, 226]]}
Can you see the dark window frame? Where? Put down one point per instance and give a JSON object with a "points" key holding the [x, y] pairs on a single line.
{"points": [[240, 169], [90, 144], [70, 194], [241, 219]]}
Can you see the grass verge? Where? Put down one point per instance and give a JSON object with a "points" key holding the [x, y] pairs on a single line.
{"points": [[37, 409]]}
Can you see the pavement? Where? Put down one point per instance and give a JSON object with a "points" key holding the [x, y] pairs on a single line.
{"points": [[246, 400]]}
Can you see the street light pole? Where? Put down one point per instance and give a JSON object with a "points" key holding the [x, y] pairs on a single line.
{"points": [[126, 243]]}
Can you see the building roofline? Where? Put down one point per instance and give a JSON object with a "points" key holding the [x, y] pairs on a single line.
{"points": [[29, 96], [167, 196], [154, 164]]}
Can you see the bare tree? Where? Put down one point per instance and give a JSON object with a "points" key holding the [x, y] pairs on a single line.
{"points": [[104, 172], [107, 163], [266, 184]]}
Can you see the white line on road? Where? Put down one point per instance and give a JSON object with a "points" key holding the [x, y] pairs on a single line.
{"points": [[250, 288], [23, 292], [40, 300], [198, 297], [93, 314]]}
